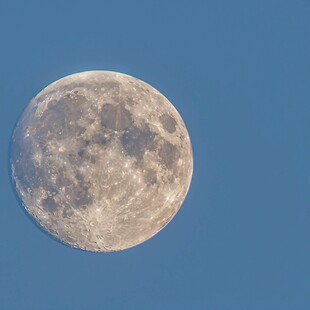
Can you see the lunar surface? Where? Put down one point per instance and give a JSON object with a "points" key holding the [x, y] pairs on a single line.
{"points": [[101, 161]]}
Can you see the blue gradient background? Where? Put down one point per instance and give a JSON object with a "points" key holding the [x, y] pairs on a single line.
{"points": [[239, 74]]}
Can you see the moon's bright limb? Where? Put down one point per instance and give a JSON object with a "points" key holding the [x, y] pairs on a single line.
{"points": [[101, 160]]}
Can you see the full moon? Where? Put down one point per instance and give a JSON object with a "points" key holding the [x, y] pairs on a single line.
{"points": [[101, 161]]}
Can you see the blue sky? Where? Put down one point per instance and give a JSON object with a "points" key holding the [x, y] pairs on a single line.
{"points": [[238, 73]]}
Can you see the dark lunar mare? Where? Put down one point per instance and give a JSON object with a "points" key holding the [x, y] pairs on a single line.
{"points": [[12, 156]]}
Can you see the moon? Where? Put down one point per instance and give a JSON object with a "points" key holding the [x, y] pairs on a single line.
{"points": [[101, 161]]}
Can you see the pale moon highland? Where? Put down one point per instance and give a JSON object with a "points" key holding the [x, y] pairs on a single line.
{"points": [[101, 161]]}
